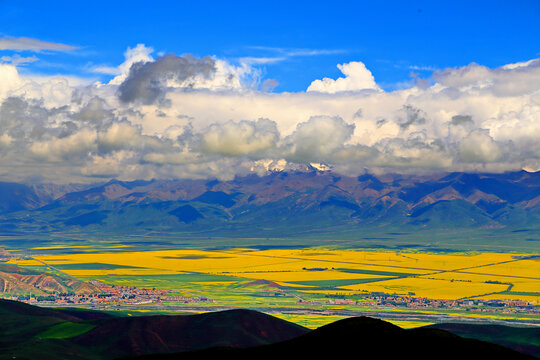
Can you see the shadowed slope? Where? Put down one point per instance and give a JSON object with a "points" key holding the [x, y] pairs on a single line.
{"points": [[163, 334], [31, 332], [365, 338], [522, 339]]}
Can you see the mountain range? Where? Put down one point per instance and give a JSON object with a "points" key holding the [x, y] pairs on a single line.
{"points": [[279, 204]]}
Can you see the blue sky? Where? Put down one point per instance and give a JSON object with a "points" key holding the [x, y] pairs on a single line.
{"points": [[309, 38]]}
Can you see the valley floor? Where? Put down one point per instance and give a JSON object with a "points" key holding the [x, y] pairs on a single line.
{"points": [[308, 285]]}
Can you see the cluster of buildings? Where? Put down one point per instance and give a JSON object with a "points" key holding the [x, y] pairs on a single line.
{"points": [[111, 295], [393, 301], [473, 305], [380, 299]]}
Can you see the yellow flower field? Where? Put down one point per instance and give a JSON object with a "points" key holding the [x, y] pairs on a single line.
{"points": [[440, 276], [429, 288], [302, 275], [525, 268]]}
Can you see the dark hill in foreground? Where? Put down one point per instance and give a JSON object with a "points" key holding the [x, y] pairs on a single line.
{"points": [[363, 338], [30, 332], [165, 334], [522, 339]]}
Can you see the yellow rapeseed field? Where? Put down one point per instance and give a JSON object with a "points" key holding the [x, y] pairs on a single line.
{"points": [[429, 288], [303, 275], [444, 276], [518, 284], [525, 268]]}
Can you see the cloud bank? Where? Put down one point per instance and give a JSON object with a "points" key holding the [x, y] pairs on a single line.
{"points": [[187, 117], [30, 44]]}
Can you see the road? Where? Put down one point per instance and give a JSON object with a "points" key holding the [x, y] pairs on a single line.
{"points": [[386, 315]]}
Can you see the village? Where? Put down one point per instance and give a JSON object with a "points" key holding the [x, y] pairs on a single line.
{"points": [[378, 300], [111, 295], [126, 296]]}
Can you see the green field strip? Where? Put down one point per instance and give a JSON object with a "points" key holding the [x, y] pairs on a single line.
{"points": [[376, 272], [165, 278], [65, 330], [336, 283], [520, 293], [93, 266]]}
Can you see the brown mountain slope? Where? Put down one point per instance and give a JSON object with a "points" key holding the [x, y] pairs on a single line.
{"points": [[16, 281]]}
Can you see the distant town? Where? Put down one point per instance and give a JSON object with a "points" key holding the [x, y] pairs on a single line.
{"points": [[110, 296]]}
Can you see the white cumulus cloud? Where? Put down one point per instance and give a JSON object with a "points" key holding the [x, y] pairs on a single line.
{"points": [[357, 77], [189, 117]]}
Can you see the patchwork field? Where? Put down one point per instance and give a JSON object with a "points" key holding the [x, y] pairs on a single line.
{"points": [[232, 274]]}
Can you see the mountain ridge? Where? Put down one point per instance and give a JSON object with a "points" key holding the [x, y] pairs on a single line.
{"points": [[286, 198]]}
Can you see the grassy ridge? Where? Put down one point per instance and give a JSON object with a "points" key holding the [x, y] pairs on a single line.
{"points": [[332, 284], [66, 330]]}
